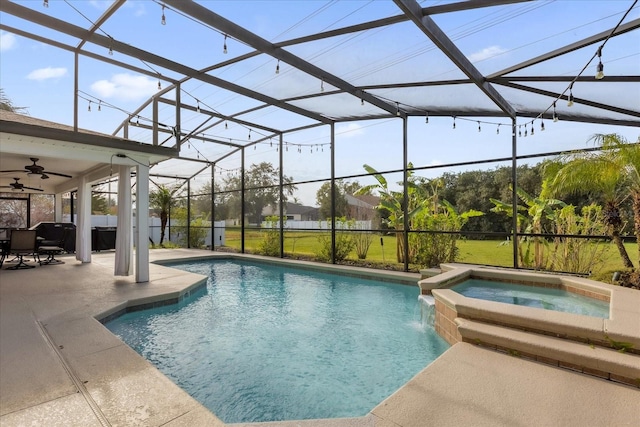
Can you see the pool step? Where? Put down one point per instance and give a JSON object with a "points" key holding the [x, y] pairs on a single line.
{"points": [[586, 358]]}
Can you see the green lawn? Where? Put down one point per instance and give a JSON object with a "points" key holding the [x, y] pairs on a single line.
{"points": [[489, 252]]}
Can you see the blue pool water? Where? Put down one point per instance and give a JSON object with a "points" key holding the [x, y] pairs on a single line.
{"points": [[266, 343], [532, 296]]}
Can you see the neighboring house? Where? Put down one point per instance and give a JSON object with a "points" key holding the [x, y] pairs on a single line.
{"points": [[293, 212], [363, 208]]}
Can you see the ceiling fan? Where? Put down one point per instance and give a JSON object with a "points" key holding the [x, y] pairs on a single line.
{"points": [[35, 169], [18, 186]]}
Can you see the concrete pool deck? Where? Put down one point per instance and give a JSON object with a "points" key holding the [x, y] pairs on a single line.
{"points": [[60, 367]]}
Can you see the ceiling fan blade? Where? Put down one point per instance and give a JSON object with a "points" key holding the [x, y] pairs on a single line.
{"points": [[13, 171], [56, 174], [31, 188]]}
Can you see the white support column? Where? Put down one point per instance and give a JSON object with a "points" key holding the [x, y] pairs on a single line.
{"points": [[142, 224], [124, 240], [83, 224], [57, 214]]}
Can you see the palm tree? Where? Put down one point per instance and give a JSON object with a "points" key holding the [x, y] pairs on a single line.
{"points": [[606, 173], [629, 157], [7, 105], [161, 200]]}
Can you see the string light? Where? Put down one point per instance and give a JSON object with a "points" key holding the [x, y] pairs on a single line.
{"points": [[163, 21], [249, 134], [398, 109], [362, 101], [570, 98], [525, 131], [479, 128], [426, 117], [159, 85], [454, 122], [226, 125], [532, 130], [45, 3], [322, 85], [555, 115], [599, 67], [542, 125], [498, 130], [89, 107], [100, 106], [110, 50], [278, 67], [224, 48], [519, 130], [197, 106]]}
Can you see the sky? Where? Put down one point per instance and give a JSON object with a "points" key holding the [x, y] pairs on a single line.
{"points": [[40, 77]]}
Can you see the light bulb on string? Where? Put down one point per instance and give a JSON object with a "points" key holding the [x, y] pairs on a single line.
{"points": [[398, 109], [159, 85], [322, 85], [542, 125], [599, 67], [532, 130], [89, 107], [519, 130], [570, 97], [163, 20], [100, 106], [362, 101], [45, 3], [224, 48], [498, 130], [278, 67], [555, 115], [110, 51], [525, 131], [426, 118], [479, 128], [249, 134], [197, 106], [454, 122], [270, 142], [226, 125]]}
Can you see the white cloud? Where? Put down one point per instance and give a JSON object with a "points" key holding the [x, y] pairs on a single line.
{"points": [[7, 41], [125, 87], [486, 53], [100, 4], [349, 130], [47, 73]]}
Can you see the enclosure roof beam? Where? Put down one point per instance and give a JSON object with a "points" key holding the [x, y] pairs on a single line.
{"points": [[105, 16], [582, 101], [624, 28], [231, 29], [110, 43], [428, 26]]}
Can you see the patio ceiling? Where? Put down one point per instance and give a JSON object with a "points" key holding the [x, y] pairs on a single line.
{"points": [[432, 70]]}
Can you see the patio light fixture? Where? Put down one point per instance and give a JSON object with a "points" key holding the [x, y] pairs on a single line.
{"points": [[599, 67]]}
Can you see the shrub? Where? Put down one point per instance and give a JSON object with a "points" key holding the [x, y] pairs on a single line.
{"points": [[270, 244], [344, 243]]}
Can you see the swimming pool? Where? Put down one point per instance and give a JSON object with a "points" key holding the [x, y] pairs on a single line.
{"points": [[268, 343], [533, 296]]}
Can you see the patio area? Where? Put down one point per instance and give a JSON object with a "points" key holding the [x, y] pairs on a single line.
{"points": [[60, 366]]}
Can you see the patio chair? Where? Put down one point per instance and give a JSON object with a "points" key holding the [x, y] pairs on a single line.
{"points": [[51, 248], [22, 243]]}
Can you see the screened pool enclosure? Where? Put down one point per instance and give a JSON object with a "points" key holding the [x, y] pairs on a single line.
{"points": [[396, 132]]}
